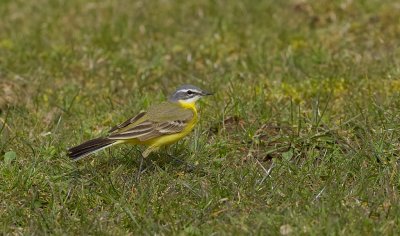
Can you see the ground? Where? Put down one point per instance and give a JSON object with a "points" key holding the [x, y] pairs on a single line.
{"points": [[301, 137]]}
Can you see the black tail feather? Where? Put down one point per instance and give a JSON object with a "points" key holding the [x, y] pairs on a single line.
{"points": [[89, 147]]}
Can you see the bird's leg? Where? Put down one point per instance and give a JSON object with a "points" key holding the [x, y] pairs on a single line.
{"points": [[148, 150], [140, 168], [189, 166]]}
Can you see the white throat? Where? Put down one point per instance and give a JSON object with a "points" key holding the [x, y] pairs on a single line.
{"points": [[192, 100]]}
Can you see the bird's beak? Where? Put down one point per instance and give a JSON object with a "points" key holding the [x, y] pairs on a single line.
{"points": [[206, 93]]}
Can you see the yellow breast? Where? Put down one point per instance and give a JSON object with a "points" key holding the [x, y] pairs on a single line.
{"points": [[169, 139]]}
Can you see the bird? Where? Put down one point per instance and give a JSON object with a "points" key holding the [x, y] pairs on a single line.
{"points": [[161, 125]]}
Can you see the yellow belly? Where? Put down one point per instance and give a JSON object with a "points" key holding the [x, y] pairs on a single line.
{"points": [[171, 138]]}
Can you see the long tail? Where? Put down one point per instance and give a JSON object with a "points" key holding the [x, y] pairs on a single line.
{"points": [[89, 147]]}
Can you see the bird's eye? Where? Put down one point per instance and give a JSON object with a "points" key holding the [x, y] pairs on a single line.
{"points": [[190, 92]]}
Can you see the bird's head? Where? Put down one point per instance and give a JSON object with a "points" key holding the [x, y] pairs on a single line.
{"points": [[188, 94]]}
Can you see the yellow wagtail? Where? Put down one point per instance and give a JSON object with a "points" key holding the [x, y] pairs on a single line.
{"points": [[161, 125]]}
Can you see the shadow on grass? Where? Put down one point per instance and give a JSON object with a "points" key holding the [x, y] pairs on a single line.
{"points": [[172, 160]]}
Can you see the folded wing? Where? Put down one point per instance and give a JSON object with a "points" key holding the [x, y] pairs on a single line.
{"points": [[163, 119]]}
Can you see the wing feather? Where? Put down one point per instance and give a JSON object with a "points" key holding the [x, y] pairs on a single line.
{"points": [[127, 122], [162, 119], [129, 135]]}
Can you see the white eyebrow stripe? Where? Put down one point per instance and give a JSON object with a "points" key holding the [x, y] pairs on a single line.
{"points": [[193, 90]]}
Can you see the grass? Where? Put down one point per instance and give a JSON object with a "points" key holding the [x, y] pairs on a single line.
{"points": [[302, 136]]}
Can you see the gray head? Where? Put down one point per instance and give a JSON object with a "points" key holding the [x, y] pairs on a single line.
{"points": [[188, 93]]}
